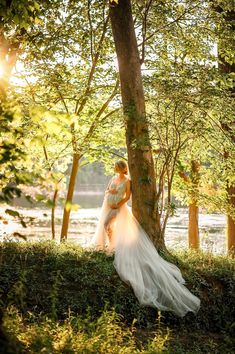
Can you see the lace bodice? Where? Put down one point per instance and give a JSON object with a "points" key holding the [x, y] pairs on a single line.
{"points": [[120, 188]]}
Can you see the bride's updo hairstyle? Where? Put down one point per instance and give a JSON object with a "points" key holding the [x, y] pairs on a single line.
{"points": [[122, 166]]}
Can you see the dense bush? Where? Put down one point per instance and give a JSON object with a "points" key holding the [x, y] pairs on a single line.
{"points": [[54, 283]]}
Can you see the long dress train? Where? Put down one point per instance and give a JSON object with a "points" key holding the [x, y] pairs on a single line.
{"points": [[155, 282]]}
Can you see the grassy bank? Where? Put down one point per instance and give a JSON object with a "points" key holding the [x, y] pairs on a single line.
{"points": [[67, 300]]}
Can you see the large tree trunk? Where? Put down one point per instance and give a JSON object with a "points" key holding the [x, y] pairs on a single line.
{"points": [[69, 199], [226, 67], [137, 136]]}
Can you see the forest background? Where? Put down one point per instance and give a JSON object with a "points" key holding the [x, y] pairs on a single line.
{"points": [[61, 105]]}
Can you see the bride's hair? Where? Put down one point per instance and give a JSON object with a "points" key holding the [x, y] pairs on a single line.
{"points": [[122, 166]]}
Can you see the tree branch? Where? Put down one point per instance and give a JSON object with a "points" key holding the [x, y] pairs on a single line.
{"points": [[144, 29], [90, 24], [78, 108]]}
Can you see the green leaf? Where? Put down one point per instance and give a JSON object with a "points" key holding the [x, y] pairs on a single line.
{"points": [[40, 197], [13, 213]]}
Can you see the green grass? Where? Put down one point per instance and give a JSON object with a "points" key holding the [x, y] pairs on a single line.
{"points": [[63, 299], [106, 334]]}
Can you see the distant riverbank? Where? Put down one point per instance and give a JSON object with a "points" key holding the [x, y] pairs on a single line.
{"points": [[83, 223]]}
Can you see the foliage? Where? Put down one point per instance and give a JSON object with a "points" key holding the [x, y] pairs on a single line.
{"points": [[12, 153], [67, 81], [66, 85], [106, 334], [15, 19], [189, 99]]}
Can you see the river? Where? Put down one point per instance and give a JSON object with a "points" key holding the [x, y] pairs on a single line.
{"points": [[83, 223]]}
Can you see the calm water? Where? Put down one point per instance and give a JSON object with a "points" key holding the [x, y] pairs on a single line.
{"points": [[83, 223]]}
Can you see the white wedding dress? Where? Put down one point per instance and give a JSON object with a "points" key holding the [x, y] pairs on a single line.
{"points": [[155, 282]]}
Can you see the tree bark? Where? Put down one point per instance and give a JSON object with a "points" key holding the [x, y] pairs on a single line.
{"points": [[140, 158], [231, 224], [227, 68], [193, 229], [69, 198]]}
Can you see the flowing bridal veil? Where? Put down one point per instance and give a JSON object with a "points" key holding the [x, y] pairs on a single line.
{"points": [[155, 282]]}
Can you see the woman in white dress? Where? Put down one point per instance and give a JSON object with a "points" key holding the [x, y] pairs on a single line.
{"points": [[155, 282]]}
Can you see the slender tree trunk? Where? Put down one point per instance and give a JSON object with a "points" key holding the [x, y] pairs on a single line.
{"points": [[69, 199], [54, 196], [193, 210], [231, 223], [53, 213], [193, 228], [137, 136]]}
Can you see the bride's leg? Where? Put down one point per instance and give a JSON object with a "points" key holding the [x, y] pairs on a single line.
{"points": [[108, 223]]}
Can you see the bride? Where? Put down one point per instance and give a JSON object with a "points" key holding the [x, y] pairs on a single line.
{"points": [[155, 282]]}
